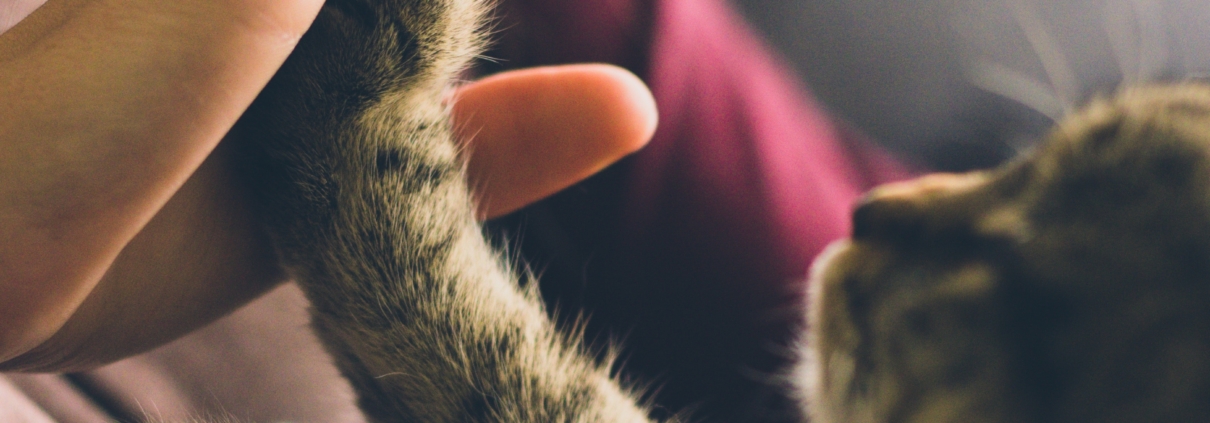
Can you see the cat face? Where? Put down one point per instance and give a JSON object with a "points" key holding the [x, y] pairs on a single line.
{"points": [[1069, 286]]}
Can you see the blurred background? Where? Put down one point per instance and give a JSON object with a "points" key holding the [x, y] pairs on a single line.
{"points": [[914, 75]]}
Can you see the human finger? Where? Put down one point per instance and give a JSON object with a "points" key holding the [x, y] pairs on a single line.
{"points": [[533, 132]]}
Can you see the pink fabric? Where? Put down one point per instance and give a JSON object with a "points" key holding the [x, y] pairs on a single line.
{"points": [[260, 364], [742, 146], [744, 183], [563, 31], [693, 250]]}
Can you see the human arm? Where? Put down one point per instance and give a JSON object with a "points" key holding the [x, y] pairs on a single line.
{"points": [[202, 253], [109, 107]]}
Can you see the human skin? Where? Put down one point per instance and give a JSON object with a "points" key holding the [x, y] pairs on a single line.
{"points": [[122, 226]]}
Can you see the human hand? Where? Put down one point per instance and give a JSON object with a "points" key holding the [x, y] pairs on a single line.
{"points": [[109, 106], [530, 133]]}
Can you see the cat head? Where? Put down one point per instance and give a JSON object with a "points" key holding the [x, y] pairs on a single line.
{"points": [[1069, 286]]}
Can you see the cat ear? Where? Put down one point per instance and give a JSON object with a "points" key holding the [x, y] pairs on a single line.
{"points": [[898, 210]]}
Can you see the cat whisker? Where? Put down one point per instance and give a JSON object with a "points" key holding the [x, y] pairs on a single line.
{"points": [[1054, 62], [390, 374], [1136, 34], [1153, 48], [1119, 32], [1018, 87], [490, 59]]}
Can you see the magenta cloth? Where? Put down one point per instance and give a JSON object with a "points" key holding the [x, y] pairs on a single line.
{"points": [[692, 251], [742, 149]]}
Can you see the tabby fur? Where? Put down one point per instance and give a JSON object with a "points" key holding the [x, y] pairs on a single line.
{"points": [[365, 199], [1069, 286]]}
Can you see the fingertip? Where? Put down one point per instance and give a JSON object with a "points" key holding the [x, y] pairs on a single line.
{"points": [[630, 115], [604, 102]]}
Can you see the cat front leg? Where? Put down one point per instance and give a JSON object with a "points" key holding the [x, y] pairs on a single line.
{"points": [[365, 197]]}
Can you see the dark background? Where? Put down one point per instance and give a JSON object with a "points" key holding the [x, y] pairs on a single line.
{"points": [[900, 69]]}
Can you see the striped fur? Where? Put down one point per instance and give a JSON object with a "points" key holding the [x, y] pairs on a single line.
{"points": [[365, 198]]}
